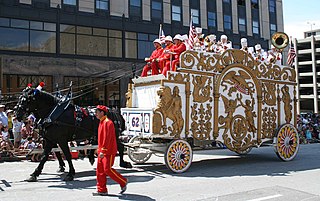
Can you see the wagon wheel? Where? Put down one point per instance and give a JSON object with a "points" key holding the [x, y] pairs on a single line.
{"points": [[243, 152], [178, 156], [135, 155], [286, 143]]}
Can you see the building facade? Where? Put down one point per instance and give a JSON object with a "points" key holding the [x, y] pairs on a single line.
{"points": [[97, 44], [308, 68]]}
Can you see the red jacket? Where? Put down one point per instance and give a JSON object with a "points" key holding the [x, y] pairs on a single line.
{"points": [[107, 142], [178, 49], [155, 54], [166, 55]]}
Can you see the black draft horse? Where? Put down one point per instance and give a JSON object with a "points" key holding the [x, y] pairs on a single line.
{"points": [[63, 129]]}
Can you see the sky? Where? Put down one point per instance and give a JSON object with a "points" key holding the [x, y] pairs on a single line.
{"points": [[297, 14]]}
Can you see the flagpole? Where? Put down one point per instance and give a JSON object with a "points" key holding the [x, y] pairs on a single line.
{"points": [[160, 30]]}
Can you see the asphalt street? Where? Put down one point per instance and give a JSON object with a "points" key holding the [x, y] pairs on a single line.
{"points": [[214, 175]]}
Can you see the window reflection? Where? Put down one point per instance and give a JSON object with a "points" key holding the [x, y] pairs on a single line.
{"points": [[14, 39], [19, 23], [67, 43], [41, 41]]}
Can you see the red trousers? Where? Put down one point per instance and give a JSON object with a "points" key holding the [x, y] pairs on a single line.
{"points": [[104, 169], [167, 66], [153, 66]]}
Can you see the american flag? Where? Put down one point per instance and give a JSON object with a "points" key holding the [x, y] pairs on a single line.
{"points": [[191, 34], [291, 55], [161, 34]]}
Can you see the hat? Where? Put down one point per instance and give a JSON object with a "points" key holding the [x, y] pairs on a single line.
{"points": [[157, 40], [178, 37], [223, 37], [184, 37], [257, 47], [168, 38], [243, 40], [1, 106], [103, 108], [8, 111], [198, 30]]}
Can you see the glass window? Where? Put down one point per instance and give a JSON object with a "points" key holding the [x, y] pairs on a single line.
{"points": [[36, 25], [20, 23], [273, 28], [241, 2], [67, 28], [115, 43], [4, 22], [100, 32], [42, 41], [195, 16], [49, 26], [92, 45], [255, 27], [242, 25], [70, 2], [102, 4], [211, 19], [272, 6], [176, 13], [84, 30], [227, 21], [14, 39], [156, 11], [226, 1], [135, 7], [254, 4], [67, 43]]}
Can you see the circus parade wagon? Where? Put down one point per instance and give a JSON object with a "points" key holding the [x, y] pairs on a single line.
{"points": [[227, 98]]}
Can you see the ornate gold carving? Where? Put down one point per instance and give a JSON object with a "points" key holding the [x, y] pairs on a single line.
{"points": [[211, 62], [178, 77], [269, 118], [269, 93], [202, 89], [287, 103], [201, 117], [238, 82], [129, 96], [169, 106], [250, 114]]}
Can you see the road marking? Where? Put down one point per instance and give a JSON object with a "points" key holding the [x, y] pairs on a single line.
{"points": [[266, 198]]}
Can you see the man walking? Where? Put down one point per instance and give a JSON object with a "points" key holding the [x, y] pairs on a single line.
{"points": [[107, 150]]}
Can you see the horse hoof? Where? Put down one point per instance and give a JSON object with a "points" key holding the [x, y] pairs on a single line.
{"points": [[125, 165], [68, 178], [32, 179], [61, 169]]}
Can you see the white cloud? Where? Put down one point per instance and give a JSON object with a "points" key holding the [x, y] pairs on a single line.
{"points": [[297, 29]]}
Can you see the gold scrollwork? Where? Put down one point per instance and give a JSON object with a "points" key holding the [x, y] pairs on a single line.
{"points": [[202, 88], [269, 93], [275, 72], [234, 56], [287, 103], [129, 95], [169, 106], [179, 77], [269, 118], [201, 125]]}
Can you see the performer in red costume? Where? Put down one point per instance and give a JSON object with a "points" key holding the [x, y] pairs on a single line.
{"points": [[107, 150], [165, 56], [151, 62], [177, 49]]}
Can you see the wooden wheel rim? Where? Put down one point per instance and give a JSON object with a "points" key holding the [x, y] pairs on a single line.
{"points": [[179, 156], [287, 143]]}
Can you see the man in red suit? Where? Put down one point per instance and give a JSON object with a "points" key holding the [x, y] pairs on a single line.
{"points": [[107, 150], [165, 56], [176, 50], [151, 63]]}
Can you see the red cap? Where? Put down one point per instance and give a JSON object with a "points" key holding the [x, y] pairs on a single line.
{"points": [[42, 84], [102, 107], [29, 85]]}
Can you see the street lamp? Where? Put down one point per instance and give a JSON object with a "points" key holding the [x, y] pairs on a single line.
{"points": [[311, 23]]}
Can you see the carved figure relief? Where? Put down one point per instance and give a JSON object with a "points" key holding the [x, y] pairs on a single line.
{"points": [[238, 82], [169, 106], [250, 114], [202, 89], [269, 93], [129, 96], [287, 103]]}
